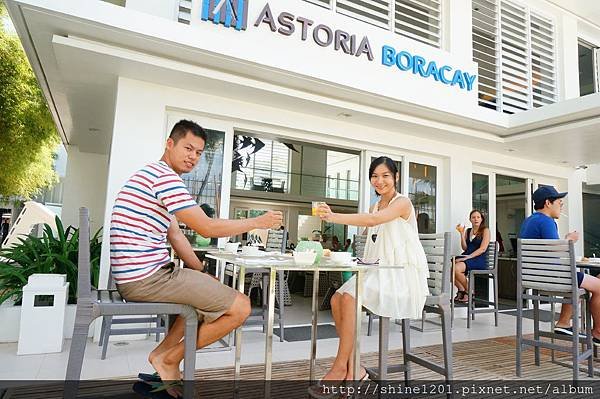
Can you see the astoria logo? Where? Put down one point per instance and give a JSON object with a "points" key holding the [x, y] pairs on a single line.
{"points": [[231, 13]]}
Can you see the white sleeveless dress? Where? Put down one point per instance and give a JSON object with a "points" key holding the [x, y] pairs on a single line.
{"points": [[398, 292]]}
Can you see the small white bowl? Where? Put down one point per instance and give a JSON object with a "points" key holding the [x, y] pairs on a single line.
{"points": [[304, 258], [341, 258], [232, 247], [250, 250]]}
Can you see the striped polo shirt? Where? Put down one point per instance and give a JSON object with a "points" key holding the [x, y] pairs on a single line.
{"points": [[140, 218]]}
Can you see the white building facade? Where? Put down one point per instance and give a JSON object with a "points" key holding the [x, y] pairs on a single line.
{"points": [[479, 100]]}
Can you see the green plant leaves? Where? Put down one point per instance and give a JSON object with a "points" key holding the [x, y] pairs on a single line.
{"points": [[48, 254]]}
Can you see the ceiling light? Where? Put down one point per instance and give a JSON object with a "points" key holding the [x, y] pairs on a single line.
{"points": [[564, 162], [511, 150], [584, 167], [344, 115]]}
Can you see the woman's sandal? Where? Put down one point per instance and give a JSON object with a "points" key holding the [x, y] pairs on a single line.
{"points": [[149, 378], [459, 296]]}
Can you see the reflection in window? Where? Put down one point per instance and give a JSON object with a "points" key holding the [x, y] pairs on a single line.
{"points": [[422, 192], [262, 164], [204, 182], [481, 187], [342, 175], [511, 199]]}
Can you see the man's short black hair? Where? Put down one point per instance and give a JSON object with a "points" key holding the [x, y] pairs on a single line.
{"points": [[540, 205], [184, 126]]}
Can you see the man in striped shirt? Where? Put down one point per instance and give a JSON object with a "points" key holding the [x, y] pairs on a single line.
{"points": [[145, 215]]}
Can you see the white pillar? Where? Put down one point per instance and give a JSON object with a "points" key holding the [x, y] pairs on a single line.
{"points": [[458, 196], [567, 57], [458, 36], [575, 211], [85, 185]]}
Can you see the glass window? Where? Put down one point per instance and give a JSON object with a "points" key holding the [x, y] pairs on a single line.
{"points": [[204, 182], [591, 221], [260, 164], [587, 69], [481, 193], [511, 201], [422, 192], [342, 175]]}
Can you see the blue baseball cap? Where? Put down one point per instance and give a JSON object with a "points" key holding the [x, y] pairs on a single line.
{"points": [[546, 192]]}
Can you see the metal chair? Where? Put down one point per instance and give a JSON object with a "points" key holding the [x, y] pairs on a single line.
{"points": [[548, 269], [93, 303], [437, 249], [490, 272], [160, 322]]}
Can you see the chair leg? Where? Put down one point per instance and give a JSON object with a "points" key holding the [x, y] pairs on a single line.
{"points": [[406, 349], [470, 302], [519, 333], [575, 338], [370, 323], [588, 331], [536, 329], [280, 283], [265, 284], [107, 329], [101, 340], [496, 304], [447, 340], [83, 318]]}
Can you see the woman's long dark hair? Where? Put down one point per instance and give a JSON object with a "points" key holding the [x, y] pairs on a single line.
{"points": [[388, 162], [482, 226]]}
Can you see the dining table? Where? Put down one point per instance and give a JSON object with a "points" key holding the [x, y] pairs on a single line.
{"points": [[274, 262]]}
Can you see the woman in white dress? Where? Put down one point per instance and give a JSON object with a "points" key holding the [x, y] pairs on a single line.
{"points": [[393, 239]]}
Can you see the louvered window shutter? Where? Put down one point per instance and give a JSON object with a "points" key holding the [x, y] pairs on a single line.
{"points": [[485, 51], [516, 62], [376, 12], [185, 11], [543, 73], [416, 19], [419, 20]]}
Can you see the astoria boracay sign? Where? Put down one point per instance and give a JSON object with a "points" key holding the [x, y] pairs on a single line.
{"points": [[234, 14]]}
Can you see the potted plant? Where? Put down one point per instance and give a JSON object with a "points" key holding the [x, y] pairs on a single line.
{"points": [[51, 253]]}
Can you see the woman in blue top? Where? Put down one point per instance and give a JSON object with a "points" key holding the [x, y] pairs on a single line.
{"points": [[474, 242]]}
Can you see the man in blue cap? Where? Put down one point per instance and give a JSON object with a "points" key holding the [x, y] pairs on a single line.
{"points": [[547, 201]]}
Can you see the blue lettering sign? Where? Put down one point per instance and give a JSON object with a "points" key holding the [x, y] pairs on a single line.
{"points": [[418, 65]]}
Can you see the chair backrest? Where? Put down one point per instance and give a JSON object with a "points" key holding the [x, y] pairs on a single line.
{"points": [[437, 249], [492, 255], [84, 285], [276, 240], [547, 265], [360, 241]]}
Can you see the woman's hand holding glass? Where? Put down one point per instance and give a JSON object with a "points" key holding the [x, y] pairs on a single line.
{"points": [[324, 212], [460, 228]]}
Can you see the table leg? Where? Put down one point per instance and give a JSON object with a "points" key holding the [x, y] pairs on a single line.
{"points": [[313, 335], [270, 318], [384, 328], [238, 335], [358, 324], [452, 293]]}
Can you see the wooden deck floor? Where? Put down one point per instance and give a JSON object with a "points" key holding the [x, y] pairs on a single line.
{"points": [[483, 360]]}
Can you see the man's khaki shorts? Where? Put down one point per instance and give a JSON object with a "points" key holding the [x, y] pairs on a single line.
{"points": [[185, 286]]}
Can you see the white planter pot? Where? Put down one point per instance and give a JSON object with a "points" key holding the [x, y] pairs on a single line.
{"points": [[11, 319]]}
